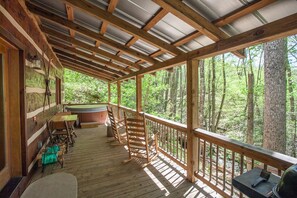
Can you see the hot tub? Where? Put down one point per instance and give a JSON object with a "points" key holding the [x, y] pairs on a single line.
{"points": [[89, 113]]}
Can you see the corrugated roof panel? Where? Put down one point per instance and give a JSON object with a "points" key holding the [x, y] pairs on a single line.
{"points": [[164, 57], [144, 47], [99, 3], [86, 20], [279, 10], [84, 50], [129, 58], [246, 23], [55, 26], [56, 7], [160, 35], [192, 45], [140, 11], [108, 49], [213, 9], [102, 57], [204, 40], [173, 27], [84, 39], [60, 40], [117, 34]]}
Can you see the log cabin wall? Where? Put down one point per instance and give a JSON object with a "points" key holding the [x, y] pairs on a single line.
{"points": [[19, 28]]}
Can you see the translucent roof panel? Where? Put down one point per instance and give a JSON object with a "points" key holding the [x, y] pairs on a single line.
{"points": [[57, 7], [117, 34], [86, 20], [278, 10], [138, 11], [173, 27]]}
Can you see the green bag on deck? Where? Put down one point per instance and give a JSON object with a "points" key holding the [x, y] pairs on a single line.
{"points": [[51, 155]]}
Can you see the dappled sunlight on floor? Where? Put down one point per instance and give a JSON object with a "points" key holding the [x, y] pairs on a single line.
{"points": [[100, 172]]}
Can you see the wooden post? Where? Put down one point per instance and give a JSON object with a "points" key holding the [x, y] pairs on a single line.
{"points": [[192, 117], [138, 93], [119, 97], [108, 87]]}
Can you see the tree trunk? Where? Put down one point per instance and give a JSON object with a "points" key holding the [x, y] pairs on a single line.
{"points": [[250, 110], [223, 94], [213, 96], [275, 96], [202, 93]]}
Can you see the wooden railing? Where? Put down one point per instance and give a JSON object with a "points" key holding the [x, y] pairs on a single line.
{"points": [[172, 135], [220, 159]]}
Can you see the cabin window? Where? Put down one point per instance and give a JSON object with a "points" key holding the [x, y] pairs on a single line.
{"points": [[58, 91]]}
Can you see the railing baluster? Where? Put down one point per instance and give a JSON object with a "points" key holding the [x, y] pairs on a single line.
{"points": [[217, 164], [199, 155], [204, 152], [224, 170], [210, 161], [232, 171]]}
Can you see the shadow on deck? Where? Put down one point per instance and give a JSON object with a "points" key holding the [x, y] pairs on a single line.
{"points": [[100, 172]]}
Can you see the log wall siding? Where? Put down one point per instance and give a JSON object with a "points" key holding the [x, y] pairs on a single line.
{"points": [[22, 30]]}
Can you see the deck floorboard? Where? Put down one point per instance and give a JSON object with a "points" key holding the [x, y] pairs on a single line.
{"points": [[100, 172]]}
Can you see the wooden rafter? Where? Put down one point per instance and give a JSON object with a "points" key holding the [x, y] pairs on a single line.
{"points": [[70, 16], [85, 67], [85, 31], [242, 11], [88, 47], [182, 11], [123, 25], [278, 29], [80, 70], [95, 65], [187, 38], [60, 46]]}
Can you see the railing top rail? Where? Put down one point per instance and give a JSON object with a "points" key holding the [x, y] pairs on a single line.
{"points": [[266, 156]]}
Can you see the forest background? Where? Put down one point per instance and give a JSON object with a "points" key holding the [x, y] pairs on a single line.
{"points": [[224, 90]]}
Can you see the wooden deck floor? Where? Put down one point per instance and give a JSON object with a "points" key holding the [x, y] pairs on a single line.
{"points": [[100, 172]]}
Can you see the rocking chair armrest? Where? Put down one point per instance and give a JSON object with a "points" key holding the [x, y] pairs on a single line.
{"points": [[120, 121]]}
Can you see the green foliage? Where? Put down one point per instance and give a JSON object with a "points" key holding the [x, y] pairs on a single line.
{"points": [[82, 89]]}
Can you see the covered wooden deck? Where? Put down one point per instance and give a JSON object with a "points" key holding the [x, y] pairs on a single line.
{"points": [[100, 172]]}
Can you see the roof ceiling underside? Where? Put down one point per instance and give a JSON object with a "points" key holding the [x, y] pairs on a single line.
{"points": [[113, 38]]}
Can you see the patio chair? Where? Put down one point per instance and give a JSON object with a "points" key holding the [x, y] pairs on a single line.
{"points": [[140, 144], [117, 127]]}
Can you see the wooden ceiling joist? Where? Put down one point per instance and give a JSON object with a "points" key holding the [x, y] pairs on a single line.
{"points": [[70, 16], [187, 38], [78, 69], [123, 25], [88, 47], [60, 46], [85, 68], [182, 11], [85, 31], [278, 29], [93, 64]]}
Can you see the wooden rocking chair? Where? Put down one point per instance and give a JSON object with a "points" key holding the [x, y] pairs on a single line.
{"points": [[140, 145], [117, 127]]}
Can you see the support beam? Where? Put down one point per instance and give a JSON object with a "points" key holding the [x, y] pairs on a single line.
{"points": [[88, 47], [192, 117], [119, 97], [138, 82], [272, 31], [123, 25], [60, 46], [187, 38], [85, 31]]}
